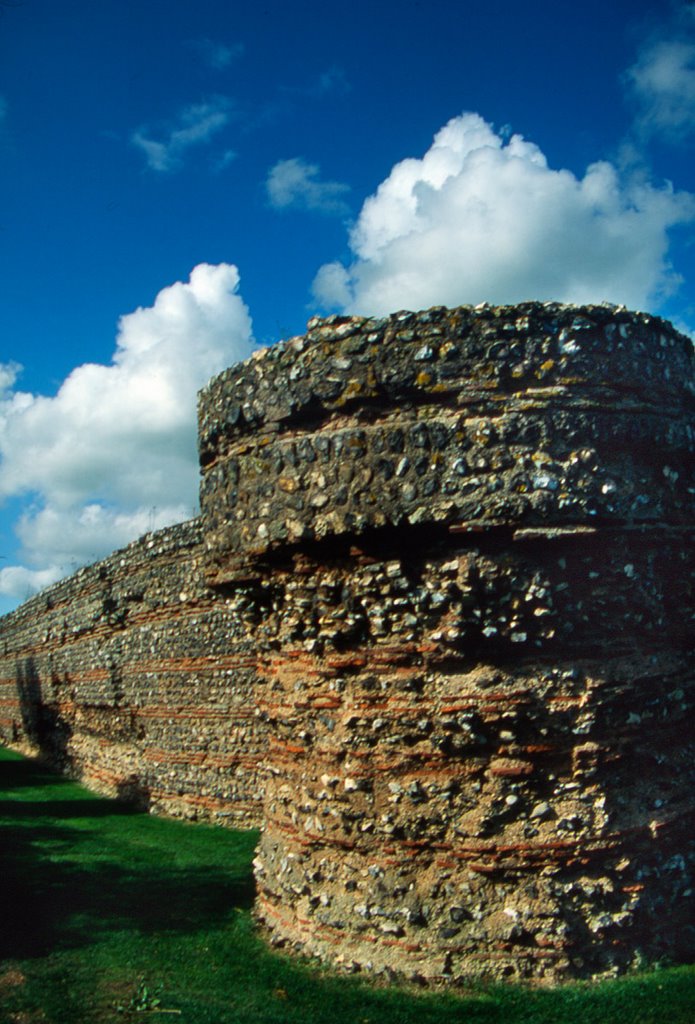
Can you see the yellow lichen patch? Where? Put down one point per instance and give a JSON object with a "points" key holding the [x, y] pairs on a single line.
{"points": [[545, 368], [372, 382], [353, 388], [356, 442], [288, 484]]}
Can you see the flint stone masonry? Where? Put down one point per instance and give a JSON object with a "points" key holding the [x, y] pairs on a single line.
{"points": [[135, 677], [537, 414], [477, 525], [433, 629]]}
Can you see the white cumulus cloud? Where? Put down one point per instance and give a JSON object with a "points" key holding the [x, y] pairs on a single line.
{"points": [[114, 452], [297, 184], [17, 581], [480, 218], [196, 125]]}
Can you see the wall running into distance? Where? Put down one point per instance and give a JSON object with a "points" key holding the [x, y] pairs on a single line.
{"points": [[135, 677], [433, 629]]}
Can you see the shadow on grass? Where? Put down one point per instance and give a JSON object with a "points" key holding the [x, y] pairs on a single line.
{"points": [[17, 771], [50, 900], [64, 809]]}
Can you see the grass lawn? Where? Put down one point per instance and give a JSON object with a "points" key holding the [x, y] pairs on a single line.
{"points": [[110, 915]]}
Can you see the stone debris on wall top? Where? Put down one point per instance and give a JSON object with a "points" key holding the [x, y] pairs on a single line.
{"points": [[478, 354]]}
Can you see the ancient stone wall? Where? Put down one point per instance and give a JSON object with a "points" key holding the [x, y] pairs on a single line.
{"points": [[475, 530], [135, 677], [433, 628]]}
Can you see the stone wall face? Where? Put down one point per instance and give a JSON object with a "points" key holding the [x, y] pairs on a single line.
{"points": [[474, 531], [135, 677]]}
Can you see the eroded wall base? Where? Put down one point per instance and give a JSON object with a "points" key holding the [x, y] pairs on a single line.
{"points": [[443, 802]]}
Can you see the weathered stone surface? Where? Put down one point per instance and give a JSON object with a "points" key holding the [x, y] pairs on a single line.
{"points": [[528, 415], [478, 527], [444, 803]]}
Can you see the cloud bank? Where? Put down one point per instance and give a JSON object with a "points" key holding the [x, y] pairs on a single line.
{"points": [[113, 454], [482, 219]]}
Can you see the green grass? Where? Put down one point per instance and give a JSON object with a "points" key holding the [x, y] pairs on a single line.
{"points": [[110, 915]]}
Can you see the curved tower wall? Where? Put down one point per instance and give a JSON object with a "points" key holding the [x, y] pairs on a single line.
{"points": [[473, 532]]}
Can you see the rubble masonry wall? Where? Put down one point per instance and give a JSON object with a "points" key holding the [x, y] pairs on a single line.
{"points": [[478, 656], [135, 677], [433, 629]]}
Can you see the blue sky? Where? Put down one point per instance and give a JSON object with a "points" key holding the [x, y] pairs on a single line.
{"points": [[181, 182]]}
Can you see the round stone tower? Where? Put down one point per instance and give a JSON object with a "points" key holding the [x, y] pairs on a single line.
{"points": [[470, 531]]}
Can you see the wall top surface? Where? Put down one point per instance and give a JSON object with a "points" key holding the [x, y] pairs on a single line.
{"points": [[473, 354]]}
